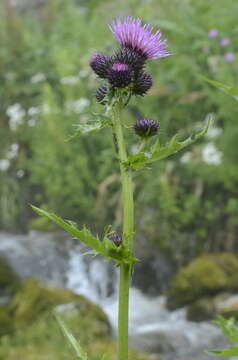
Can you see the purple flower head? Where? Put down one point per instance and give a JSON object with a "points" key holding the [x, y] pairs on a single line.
{"points": [[120, 75], [142, 83], [146, 127], [130, 33], [224, 42], [229, 57], [212, 34], [100, 64], [101, 94], [130, 57], [114, 237], [120, 67]]}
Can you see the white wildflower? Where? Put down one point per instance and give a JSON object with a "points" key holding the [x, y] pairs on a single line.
{"points": [[13, 152], [4, 164], [34, 110], [78, 106], [213, 132], [37, 78], [211, 155], [16, 114], [186, 157], [20, 173]]}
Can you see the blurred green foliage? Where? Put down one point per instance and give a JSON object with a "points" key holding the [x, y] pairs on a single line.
{"points": [[189, 202]]}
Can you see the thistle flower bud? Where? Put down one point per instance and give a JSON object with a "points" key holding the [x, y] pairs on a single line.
{"points": [[115, 238], [101, 93], [142, 83], [146, 127], [100, 64], [132, 58], [119, 75]]}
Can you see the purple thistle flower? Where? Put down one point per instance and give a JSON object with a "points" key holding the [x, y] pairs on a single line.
{"points": [[224, 42], [119, 75], [100, 64], [229, 57], [132, 34], [101, 93], [146, 127], [142, 83], [212, 34]]}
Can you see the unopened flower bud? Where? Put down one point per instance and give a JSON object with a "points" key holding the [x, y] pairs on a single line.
{"points": [[119, 75], [146, 127], [132, 58], [101, 94], [142, 84], [115, 238], [100, 64]]}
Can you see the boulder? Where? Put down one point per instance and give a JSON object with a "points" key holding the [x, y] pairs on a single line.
{"points": [[34, 299], [9, 281], [207, 275]]}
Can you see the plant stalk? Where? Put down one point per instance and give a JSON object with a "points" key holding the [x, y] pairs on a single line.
{"points": [[128, 234]]}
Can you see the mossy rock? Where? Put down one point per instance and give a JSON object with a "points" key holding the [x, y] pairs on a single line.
{"points": [[202, 310], [9, 281], [110, 350], [34, 299], [227, 305], [205, 276], [6, 323]]}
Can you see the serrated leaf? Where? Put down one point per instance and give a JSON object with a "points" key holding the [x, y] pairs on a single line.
{"points": [[83, 235], [141, 160], [90, 127], [173, 146], [229, 328], [81, 355], [228, 89], [107, 248], [231, 351]]}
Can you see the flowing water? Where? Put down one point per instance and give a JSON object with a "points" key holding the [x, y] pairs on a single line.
{"points": [[59, 261]]}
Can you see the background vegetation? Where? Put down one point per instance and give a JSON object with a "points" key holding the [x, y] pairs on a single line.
{"points": [[189, 202]]}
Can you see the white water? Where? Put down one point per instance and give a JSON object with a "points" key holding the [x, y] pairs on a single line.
{"points": [[152, 327]]}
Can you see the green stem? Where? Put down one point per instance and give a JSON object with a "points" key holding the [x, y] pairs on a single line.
{"points": [[142, 145], [128, 234]]}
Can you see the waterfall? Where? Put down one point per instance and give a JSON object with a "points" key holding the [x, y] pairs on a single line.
{"points": [[57, 260]]}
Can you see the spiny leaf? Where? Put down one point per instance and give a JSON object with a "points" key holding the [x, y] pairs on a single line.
{"points": [[81, 355], [83, 235], [230, 351], [229, 328], [90, 127], [142, 159], [107, 248], [228, 89], [173, 146]]}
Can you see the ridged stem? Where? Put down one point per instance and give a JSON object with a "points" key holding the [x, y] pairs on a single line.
{"points": [[128, 234]]}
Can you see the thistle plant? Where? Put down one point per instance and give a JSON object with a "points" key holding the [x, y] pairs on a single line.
{"points": [[123, 75]]}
